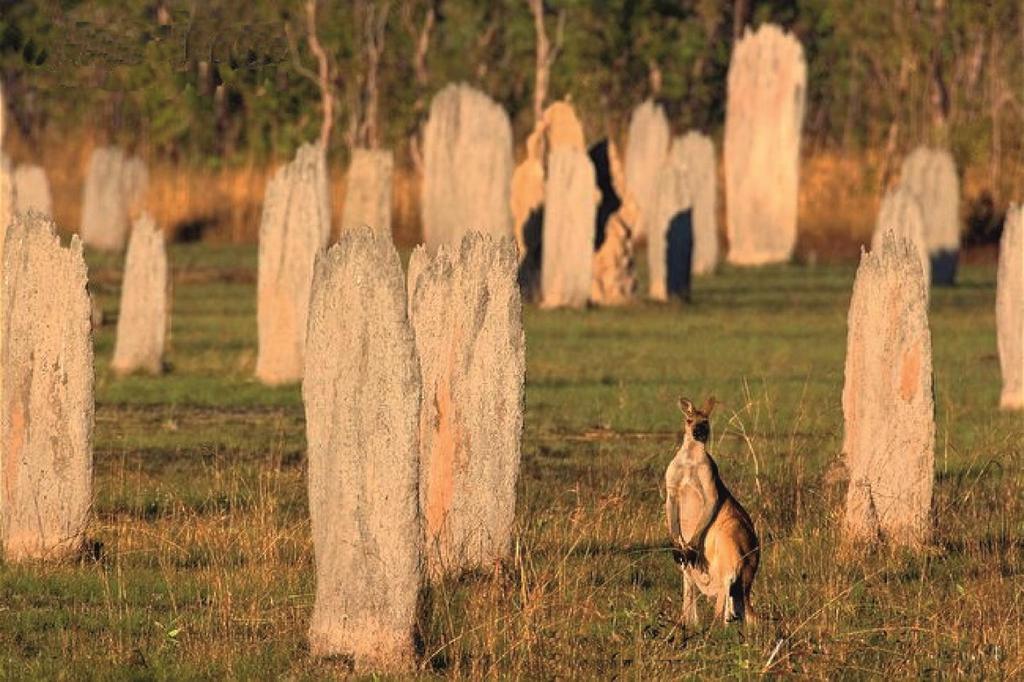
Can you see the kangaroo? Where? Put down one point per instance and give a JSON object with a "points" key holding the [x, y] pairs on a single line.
{"points": [[716, 547]]}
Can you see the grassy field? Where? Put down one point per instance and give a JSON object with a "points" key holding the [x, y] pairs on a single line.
{"points": [[202, 564]]}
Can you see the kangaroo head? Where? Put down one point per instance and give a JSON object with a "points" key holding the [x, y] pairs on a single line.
{"points": [[697, 423]]}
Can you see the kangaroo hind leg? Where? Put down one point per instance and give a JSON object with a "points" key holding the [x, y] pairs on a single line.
{"points": [[690, 616], [735, 600]]}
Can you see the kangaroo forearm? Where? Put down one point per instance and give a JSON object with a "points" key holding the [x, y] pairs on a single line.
{"points": [[672, 515], [703, 526], [710, 494]]}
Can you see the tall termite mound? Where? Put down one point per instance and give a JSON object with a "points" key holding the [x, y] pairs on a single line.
{"points": [[888, 408], [294, 226], [145, 313], [767, 88], [46, 393], [362, 400], [1010, 309], [614, 274], [569, 210], [114, 193], [7, 198], [467, 167], [32, 190], [930, 174], [646, 149], [697, 153], [558, 129], [900, 213], [467, 317], [670, 235], [368, 190]]}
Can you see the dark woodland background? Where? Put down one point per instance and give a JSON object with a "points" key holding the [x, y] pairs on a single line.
{"points": [[214, 93]]}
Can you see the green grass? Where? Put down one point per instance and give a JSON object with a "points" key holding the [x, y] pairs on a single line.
{"points": [[204, 569]]}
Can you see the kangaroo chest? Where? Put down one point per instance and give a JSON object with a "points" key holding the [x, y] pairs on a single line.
{"points": [[691, 507], [691, 497]]}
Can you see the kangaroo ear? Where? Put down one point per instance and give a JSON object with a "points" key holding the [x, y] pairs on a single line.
{"points": [[685, 406], [709, 406]]}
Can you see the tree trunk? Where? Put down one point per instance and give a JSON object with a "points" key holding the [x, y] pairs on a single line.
{"points": [[995, 95], [419, 66], [739, 18], [940, 91], [323, 74], [540, 89], [374, 33], [419, 62]]}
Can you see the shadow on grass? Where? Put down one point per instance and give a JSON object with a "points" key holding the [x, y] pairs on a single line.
{"points": [[1000, 545]]}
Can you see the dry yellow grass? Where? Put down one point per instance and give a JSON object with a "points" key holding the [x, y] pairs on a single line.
{"points": [[189, 202], [205, 569], [839, 196]]}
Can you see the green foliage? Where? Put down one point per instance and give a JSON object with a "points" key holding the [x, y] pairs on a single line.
{"points": [[228, 79]]}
